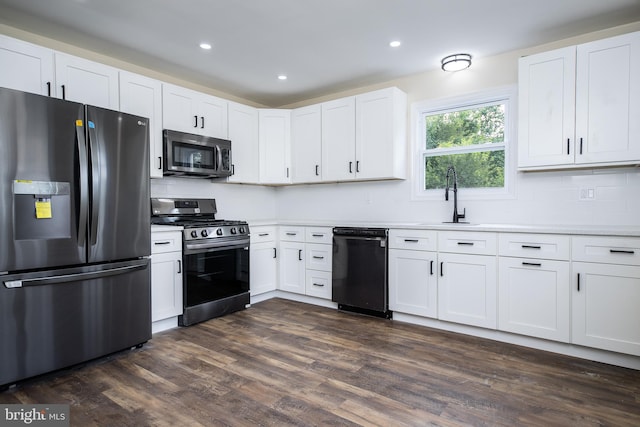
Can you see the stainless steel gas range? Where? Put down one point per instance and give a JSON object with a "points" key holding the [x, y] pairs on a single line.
{"points": [[215, 256]]}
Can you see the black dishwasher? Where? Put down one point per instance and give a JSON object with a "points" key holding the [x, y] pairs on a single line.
{"points": [[359, 278]]}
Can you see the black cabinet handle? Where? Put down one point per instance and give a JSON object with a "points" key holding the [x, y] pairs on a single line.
{"points": [[465, 243], [441, 269], [48, 88], [263, 234], [350, 167], [532, 264], [287, 172], [64, 92], [357, 166], [578, 282], [621, 251], [275, 253], [299, 254], [196, 125], [289, 233], [411, 240], [431, 268], [317, 173], [317, 235], [580, 145], [319, 284], [202, 122], [161, 243], [179, 266], [568, 146], [318, 257], [233, 169], [159, 162], [531, 247]]}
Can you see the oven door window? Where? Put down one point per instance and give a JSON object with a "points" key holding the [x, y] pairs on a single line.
{"points": [[194, 156], [215, 275]]}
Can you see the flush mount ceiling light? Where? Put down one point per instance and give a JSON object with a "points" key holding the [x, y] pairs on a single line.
{"points": [[205, 46], [282, 77], [395, 43], [457, 62]]}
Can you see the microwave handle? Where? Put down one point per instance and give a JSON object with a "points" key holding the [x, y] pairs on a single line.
{"points": [[218, 158]]}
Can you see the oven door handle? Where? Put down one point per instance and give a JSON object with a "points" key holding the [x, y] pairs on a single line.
{"points": [[194, 248]]}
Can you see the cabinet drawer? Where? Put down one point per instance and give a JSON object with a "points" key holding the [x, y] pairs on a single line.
{"points": [[318, 284], [319, 256], [467, 242], [263, 234], [610, 250], [166, 241], [319, 235], [540, 246], [291, 233], [421, 240]]}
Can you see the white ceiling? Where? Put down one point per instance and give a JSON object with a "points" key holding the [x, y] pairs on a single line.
{"points": [[323, 46]]}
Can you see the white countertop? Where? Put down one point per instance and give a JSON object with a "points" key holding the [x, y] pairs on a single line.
{"points": [[598, 230]]}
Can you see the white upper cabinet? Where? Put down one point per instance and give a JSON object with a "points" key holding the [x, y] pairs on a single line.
{"points": [[338, 139], [578, 105], [275, 146], [142, 96], [26, 67], [85, 81], [381, 122], [546, 132], [189, 111], [243, 133], [306, 144]]}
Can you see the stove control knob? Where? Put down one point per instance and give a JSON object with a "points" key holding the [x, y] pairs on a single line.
{"points": [[241, 230], [233, 230], [194, 234], [204, 233], [219, 231]]}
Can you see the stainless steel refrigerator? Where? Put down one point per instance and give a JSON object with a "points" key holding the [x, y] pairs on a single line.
{"points": [[74, 233]]}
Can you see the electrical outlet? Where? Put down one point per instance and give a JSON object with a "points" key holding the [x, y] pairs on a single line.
{"points": [[587, 194]]}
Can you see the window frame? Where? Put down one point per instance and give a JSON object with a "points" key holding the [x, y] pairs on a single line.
{"points": [[506, 95]]}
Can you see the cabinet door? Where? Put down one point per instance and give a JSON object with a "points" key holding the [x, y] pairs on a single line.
{"points": [[291, 267], [380, 134], [306, 144], [179, 109], [608, 100], [467, 289], [212, 115], [86, 81], [263, 267], [142, 96], [605, 307], [275, 146], [166, 285], [339, 139], [534, 298], [547, 108], [26, 67], [243, 133], [413, 286]]}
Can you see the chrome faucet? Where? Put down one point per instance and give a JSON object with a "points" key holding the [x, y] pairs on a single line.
{"points": [[451, 173]]}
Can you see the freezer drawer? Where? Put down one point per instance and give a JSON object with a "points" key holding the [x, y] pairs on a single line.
{"points": [[52, 322]]}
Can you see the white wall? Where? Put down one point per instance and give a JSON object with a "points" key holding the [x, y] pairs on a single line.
{"points": [[538, 198]]}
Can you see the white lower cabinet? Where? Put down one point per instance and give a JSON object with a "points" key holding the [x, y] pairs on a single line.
{"points": [[413, 284], [166, 274], [318, 284], [291, 267], [534, 298], [263, 260], [606, 293]]}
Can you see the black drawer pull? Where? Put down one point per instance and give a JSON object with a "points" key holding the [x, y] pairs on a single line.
{"points": [[318, 257], [441, 272], [319, 284], [161, 243], [317, 235], [465, 243], [299, 254], [291, 234], [275, 252], [431, 268], [621, 251], [411, 240], [531, 247], [532, 264], [179, 266], [263, 234], [578, 282]]}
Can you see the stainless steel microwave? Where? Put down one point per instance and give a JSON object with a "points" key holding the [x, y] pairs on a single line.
{"points": [[192, 155]]}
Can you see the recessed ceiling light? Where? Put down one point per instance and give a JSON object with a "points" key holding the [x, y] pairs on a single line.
{"points": [[282, 77], [205, 46], [395, 43]]}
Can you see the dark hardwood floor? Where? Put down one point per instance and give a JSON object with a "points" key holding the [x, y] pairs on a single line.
{"points": [[284, 363]]}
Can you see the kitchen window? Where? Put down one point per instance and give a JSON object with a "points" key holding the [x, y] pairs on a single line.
{"points": [[472, 133]]}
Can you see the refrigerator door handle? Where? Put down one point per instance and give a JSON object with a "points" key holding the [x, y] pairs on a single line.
{"points": [[66, 278], [84, 183], [94, 146]]}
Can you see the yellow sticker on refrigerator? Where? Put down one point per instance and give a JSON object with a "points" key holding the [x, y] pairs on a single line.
{"points": [[43, 208], [79, 123]]}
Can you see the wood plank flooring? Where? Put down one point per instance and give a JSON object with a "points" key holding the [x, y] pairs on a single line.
{"points": [[283, 363]]}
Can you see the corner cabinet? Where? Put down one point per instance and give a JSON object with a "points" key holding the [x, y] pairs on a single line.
{"points": [[275, 146], [578, 105], [142, 96], [306, 144], [243, 133], [606, 292], [189, 111]]}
